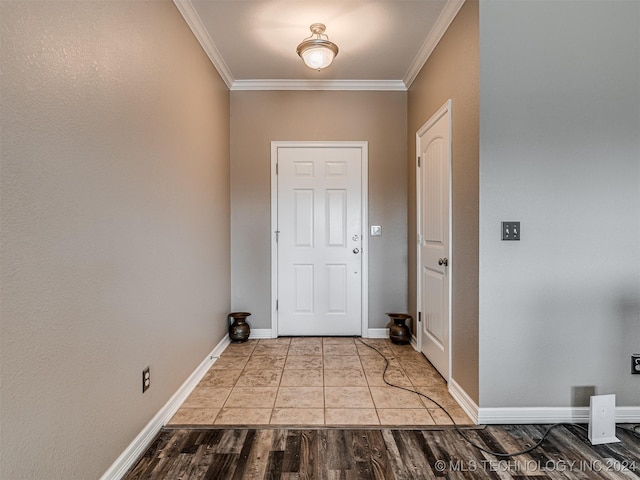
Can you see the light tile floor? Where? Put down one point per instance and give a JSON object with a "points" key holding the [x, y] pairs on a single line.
{"points": [[319, 381]]}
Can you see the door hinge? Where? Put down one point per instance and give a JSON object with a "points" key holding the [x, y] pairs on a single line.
{"points": [[418, 162], [276, 305], [419, 317], [276, 168], [277, 232]]}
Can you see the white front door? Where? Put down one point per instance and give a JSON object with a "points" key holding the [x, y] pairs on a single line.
{"points": [[319, 240], [434, 279]]}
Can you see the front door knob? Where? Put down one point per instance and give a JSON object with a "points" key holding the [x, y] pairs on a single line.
{"points": [[356, 250], [443, 261]]}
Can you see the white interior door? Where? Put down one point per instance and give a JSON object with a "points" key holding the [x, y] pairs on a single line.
{"points": [[434, 279], [319, 240]]}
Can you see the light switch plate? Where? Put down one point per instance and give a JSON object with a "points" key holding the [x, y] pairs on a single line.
{"points": [[510, 230], [376, 230]]}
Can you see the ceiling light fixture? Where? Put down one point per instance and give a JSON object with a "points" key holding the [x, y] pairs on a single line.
{"points": [[317, 52]]}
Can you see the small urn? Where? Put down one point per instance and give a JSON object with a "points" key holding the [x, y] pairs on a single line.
{"points": [[239, 329], [399, 333]]}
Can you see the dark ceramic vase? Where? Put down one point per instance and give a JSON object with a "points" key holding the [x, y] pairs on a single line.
{"points": [[239, 329], [399, 333]]}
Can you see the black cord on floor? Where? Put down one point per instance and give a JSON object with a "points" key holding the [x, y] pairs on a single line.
{"points": [[634, 430]]}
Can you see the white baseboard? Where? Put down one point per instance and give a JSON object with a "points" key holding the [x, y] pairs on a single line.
{"points": [[414, 342], [528, 415], [139, 444], [256, 333], [377, 333], [465, 401], [369, 333], [627, 414]]}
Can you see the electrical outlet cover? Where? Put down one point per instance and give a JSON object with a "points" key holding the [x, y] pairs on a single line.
{"points": [[146, 379], [602, 419], [635, 363]]}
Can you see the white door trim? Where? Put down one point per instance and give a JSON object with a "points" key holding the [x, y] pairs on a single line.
{"points": [[364, 181], [436, 116]]}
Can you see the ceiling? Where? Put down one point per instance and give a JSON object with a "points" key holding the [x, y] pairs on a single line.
{"points": [[383, 43]]}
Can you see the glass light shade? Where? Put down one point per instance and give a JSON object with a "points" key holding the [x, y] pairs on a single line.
{"points": [[318, 52], [317, 57]]}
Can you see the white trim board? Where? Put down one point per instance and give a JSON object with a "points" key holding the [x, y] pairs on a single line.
{"points": [[465, 401], [278, 84], [414, 342], [142, 441], [377, 333], [188, 12], [384, 333], [256, 333], [529, 415], [445, 19]]}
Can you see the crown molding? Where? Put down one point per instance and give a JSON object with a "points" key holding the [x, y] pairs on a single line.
{"points": [[447, 15], [188, 12], [378, 85]]}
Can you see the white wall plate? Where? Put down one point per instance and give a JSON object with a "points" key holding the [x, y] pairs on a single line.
{"points": [[602, 419]]}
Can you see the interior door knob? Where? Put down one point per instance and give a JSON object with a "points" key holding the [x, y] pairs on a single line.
{"points": [[356, 250], [443, 261]]}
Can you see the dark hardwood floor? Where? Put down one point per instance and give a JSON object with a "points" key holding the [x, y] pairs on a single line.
{"points": [[386, 454]]}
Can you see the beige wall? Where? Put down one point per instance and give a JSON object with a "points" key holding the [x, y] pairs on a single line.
{"points": [[257, 118], [452, 71], [115, 226]]}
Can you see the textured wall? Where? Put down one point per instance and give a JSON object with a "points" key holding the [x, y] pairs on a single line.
{"points": [[559, 151], [115, 226], [257, 118], [452, 72]]}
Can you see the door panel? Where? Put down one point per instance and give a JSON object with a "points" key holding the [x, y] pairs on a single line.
{"points": [[337, 218], [337, 289], [319, 261], [434, 149], [433, 293], [303, 281], [303, 217]]}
